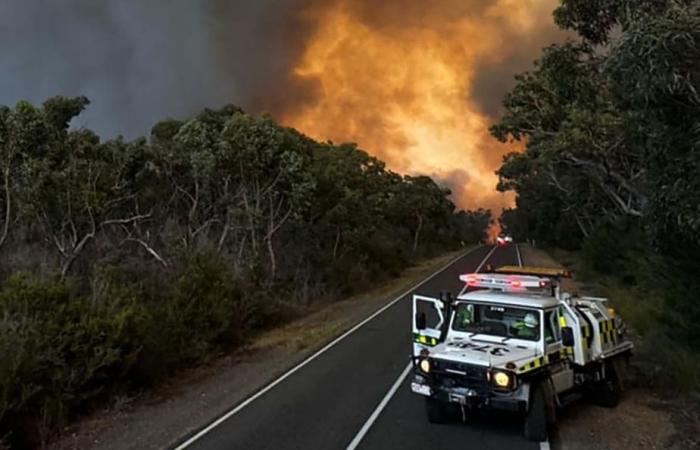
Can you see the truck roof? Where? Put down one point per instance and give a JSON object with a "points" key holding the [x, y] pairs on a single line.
{"points": [[523, 299]]}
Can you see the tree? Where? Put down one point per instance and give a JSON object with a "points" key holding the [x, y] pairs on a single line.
{"points": [[610, 125], [8, 158]]}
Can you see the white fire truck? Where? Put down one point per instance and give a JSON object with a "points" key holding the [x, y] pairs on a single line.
{"points": [[512, 341]]}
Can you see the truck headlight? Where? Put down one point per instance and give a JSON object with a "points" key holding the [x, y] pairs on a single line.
{"points": [[501, 379], [425, 366]]}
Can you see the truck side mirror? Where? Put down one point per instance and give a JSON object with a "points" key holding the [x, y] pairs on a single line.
{"points": [[567, 336], [420, 320]]}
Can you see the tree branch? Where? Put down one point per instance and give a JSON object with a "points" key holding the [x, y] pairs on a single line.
{"points": [[149, 249]]}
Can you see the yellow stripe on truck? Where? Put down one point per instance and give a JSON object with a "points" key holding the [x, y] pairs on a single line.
{"points": [[425, 340], [608, 332], [534, 364]]}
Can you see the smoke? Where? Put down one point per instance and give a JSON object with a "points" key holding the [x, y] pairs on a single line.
{"points": [[141, 61], [418, 83], [518, 45], [415, 83]]}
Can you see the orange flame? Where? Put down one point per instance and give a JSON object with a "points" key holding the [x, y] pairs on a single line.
{"points": [[401, 88]]}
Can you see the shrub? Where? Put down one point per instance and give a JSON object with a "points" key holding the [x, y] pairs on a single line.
{"points": [[58, 352]]}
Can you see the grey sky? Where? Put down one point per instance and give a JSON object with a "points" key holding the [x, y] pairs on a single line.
{"points": [[140, 61]]}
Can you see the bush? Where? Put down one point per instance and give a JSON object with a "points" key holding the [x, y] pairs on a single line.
{"points": [[61, 351], [655, 294], [58, 353], [173, 248]]}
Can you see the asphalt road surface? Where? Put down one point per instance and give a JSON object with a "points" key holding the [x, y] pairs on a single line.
{"points": [[352, 395]]}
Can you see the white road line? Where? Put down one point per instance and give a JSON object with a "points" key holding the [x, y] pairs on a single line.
{"points": [[544, 445], [287, 374], [478, 268], [385, 401]]}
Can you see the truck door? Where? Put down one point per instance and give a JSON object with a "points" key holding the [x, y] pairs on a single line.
{"points": [[428, 318], [559, 365]]}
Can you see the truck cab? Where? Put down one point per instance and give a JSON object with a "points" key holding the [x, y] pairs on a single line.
{"points": [[511, 341]]}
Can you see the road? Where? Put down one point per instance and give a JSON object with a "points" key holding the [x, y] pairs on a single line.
{"points": [[331, 401]]}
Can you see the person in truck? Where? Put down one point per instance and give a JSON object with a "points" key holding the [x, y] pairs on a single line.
{"points": [[527, 327]]}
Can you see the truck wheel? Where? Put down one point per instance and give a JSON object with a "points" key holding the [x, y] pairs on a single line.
{"points": [[536, 417], [550, 403], [608, 392], [436, 410]]}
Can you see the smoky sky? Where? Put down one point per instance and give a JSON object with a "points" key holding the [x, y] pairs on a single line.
{"points": [[141, 61]]}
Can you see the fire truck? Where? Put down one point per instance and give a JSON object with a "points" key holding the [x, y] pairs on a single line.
{"points": [[512, 340]]}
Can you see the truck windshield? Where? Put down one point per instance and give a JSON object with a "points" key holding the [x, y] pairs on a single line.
{"points": [[497, 320]]}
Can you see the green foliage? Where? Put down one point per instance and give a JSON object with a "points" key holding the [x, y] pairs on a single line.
{"points": [[152, 255], [610, 247], [58, 351], [611, 161]]}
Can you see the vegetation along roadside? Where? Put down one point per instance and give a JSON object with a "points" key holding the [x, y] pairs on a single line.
{"points": [[125, 261], [611, 126]]}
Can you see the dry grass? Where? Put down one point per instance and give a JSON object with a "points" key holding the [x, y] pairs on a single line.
{"points": [[322, 323], [657, 411]]}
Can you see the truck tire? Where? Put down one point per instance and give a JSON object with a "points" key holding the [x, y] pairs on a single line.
{"points": [[550, 402], [536, 416], [436, 410], [608, 392]]}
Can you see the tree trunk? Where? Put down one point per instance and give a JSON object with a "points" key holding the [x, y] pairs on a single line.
{"points": [[273, 262], [417, 233], [337, 242], [224, 233], [580, 225], [251, 223], [8, 205], [75, 252]]}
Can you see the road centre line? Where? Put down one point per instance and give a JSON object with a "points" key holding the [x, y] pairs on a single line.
{"points": [[394, 387], [478, 268], [327, 347]]}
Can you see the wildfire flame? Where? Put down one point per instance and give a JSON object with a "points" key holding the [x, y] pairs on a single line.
{"points": [[396, 78]]}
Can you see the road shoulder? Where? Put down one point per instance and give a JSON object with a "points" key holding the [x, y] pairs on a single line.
{"points": [[193, 398], [645, 419]]}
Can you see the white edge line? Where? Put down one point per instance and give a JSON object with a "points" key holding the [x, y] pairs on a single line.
{"points": [[385, 401], [287, 374], [545, 445], [520, 259]]}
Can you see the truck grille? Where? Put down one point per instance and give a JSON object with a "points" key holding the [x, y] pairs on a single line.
{"points": [[451, 374]]}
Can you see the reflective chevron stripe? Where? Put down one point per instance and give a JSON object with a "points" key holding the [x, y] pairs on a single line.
{"points": [[425, 340], [534, 364], [586, 334], [545, 360], [608, 332]]}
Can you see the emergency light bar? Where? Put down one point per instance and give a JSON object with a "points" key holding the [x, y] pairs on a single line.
{"points": [[534, 271], [513, 283]]}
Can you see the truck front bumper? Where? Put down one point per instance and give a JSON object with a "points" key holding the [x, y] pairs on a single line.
{"points": [[471, 398]]}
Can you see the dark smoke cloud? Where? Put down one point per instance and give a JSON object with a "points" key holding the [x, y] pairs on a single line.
{"points": [[140, 61], [495, 76]]}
